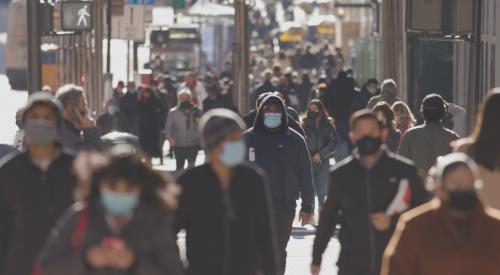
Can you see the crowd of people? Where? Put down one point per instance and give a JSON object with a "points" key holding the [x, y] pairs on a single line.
{"points": [[402, 198]]}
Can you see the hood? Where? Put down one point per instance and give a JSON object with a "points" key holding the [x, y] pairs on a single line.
{"points": [[259, 120]]}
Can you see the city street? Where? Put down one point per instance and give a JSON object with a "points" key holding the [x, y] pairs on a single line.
{"points": [[299, 247]]}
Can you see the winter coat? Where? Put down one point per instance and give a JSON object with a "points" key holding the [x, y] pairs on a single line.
{"points": [[284, 156], [76, 140], [149, 234], [423, 144], [31, 201], [149, 126], [322, 140], [129, 104], [361, 100], [427, 241], [182, 128], [393, 140], [354, 193], [230, 230], [490, 193]]}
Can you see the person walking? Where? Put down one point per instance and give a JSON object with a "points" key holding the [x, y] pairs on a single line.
{"points": [[129, 105], [484, 147], [36, 187], [423, 144], [388, 93], [322, 140], [361, 98], [403, 116], [233, 233], [394, 135], [198, 92], [181, 130], [215, 99], [453, 234], [121, 224], [108, 121], [304, 90], [283, 154], [78, 130], [149, 111], [367, 193], [338, 101], [267, 86]]}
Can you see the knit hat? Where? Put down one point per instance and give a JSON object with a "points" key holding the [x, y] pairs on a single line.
{"points": [[446, 163], [216, 124], [43, 98]]}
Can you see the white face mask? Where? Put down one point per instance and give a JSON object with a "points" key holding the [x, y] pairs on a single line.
{"points": [[234, 153]]}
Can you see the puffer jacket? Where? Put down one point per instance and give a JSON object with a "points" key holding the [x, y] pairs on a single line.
{"points": [[322, 140], [182, 127]]}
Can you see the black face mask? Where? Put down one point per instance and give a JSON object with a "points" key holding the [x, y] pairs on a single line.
{"points": [[464, 201], [312, 115], [186, 105], [368, 145]]}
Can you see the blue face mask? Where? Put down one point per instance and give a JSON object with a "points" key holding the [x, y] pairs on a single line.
{"points": [[272, 120], [119, 204], [112, 109], [234, 153]]}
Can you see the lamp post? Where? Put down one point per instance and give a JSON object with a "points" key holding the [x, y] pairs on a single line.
{"points": [[34, 72]]}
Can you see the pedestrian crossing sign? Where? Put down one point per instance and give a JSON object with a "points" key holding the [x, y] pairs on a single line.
{"points": [[76, 15]]}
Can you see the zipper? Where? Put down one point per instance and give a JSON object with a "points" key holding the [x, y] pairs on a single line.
{"points": [[370, 227]]}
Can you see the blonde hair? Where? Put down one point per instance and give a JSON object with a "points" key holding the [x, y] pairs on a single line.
{"points": [[399, 107]]}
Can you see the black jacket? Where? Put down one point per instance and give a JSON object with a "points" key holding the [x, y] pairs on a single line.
{"points": [[288, 164], [231, 231], [354, 192], [266, 87], [322, 140], [149, 234], [31, 201]]}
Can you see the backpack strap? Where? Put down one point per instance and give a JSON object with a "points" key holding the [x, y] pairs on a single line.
{"points": [[80, 230]]}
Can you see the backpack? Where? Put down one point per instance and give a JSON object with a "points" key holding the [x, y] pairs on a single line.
{"points": [[77, 238]]}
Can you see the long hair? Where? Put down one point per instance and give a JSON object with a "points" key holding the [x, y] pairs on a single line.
{"points": [[93, 169], [322, 110], [402, 108], [386, 111], [486, 147]]}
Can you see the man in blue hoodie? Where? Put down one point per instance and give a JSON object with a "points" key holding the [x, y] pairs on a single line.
{"points": [[283, 154]]}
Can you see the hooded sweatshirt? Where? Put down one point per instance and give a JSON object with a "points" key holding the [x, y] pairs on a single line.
{"points": [[284, 156]]}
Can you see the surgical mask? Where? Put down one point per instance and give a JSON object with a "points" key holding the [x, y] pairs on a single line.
{"points": [[464, 201], [41, 132], [368, 145], [234, 153], [312, 115], [372, 91], [113, 109], [119, 204], [272, 120], [185, 105]]}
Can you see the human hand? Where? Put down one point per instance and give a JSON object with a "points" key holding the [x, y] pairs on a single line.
{"points": [[316, 158], [305, 218], [98, 257], [122, 258], [315, 269], [381, 221]]}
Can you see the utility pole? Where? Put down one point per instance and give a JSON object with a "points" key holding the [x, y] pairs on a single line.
{"points": [[109, 11], [34, 42], [241, 55]]}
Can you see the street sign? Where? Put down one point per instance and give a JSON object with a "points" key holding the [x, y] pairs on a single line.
{"points": [[130, 26], [76, 15], [140, 2]]}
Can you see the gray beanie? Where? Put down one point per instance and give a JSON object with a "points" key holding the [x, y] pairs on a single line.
{"points": [[216, 124]]}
